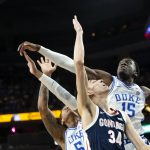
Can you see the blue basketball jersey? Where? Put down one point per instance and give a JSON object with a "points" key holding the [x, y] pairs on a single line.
{"points": [[106, 132], [76, 138]]}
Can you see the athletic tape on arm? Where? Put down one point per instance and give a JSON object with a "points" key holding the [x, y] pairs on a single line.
{"points": [[59, 59], [61, 93]]}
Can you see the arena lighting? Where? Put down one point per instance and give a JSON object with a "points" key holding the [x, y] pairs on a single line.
{"points": [[30, 116], [147, 30], [146, 128], [13, 130]]}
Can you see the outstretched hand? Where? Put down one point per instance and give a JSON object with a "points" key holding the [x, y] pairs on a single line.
{"points": [[77, 26], [31, 64], [46, 66], [28, 46]]}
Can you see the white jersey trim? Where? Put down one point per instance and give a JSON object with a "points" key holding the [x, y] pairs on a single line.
{"points": [[111, 87], [123, 116], [94, 120]]}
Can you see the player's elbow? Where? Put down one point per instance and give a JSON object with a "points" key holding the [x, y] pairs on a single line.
{"points": [[42, 108], [79, 63]]}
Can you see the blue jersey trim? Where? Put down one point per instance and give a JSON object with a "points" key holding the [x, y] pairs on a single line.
{"points": [[128, 86]]}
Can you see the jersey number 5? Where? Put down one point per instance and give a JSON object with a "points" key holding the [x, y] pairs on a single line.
{"points": [[78, 146]]}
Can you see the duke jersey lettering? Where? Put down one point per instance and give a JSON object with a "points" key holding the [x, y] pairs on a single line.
{"points": [[76, 139], [129, 99], [106, 132]]}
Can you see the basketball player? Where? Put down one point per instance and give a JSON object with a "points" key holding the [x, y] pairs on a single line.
{"points": [[57, 130], [124, 94], [105, 127], [71, 138]]}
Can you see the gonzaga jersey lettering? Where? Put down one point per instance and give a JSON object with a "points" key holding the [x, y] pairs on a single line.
{"points": [[76, 138], [106, 132], [129, 99]]}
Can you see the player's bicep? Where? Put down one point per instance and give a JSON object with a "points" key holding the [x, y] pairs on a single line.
{"points": [[81, 82], [85, 106], [90, 111]]}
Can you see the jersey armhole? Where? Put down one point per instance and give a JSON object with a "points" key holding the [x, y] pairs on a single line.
{"points": [[111, 87], [94, 120], [124, 116]]}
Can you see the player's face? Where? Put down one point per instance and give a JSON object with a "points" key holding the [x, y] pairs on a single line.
{"points": [[67, 114], [97, 86], [126, 68]]}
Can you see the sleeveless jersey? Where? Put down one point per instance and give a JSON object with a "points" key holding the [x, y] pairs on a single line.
{"points": [[106, 132], [129, 99], [76, 138]]}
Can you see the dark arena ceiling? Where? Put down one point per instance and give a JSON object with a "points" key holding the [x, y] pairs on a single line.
{"points": [[112, 28]]}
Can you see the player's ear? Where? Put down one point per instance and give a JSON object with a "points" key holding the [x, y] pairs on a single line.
{"points": [[135, 74], [90, 92], [62, 122]]}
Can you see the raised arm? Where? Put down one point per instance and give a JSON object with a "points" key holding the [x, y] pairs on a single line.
{"points": [[57, 58], [64, 61], [61, 93], [84, 104], [133, 135], [54, 129]]}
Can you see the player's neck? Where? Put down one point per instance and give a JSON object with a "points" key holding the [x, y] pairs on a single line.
{"points": [[104, 107], [128, 81], [72, 122], [101, 101]]}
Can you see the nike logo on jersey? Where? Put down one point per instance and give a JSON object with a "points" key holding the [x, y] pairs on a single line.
{"points": [[120, 119], [101, 112]]}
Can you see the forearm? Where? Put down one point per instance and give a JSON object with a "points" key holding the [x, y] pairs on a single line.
{"points": [[133, 135], [43, 98], [54, 129], [81, 78], [59, 59], [62, 94], [50, 122], [37, 74], [79, 49]]}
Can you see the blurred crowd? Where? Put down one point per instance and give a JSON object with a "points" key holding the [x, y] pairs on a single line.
{"points": [[19, 89]]}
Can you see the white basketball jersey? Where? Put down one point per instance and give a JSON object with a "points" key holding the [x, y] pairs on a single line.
{"points": [[76, 139], [130, 99]]}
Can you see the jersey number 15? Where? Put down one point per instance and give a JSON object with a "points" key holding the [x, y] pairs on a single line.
{"points": [[129, 108]]}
